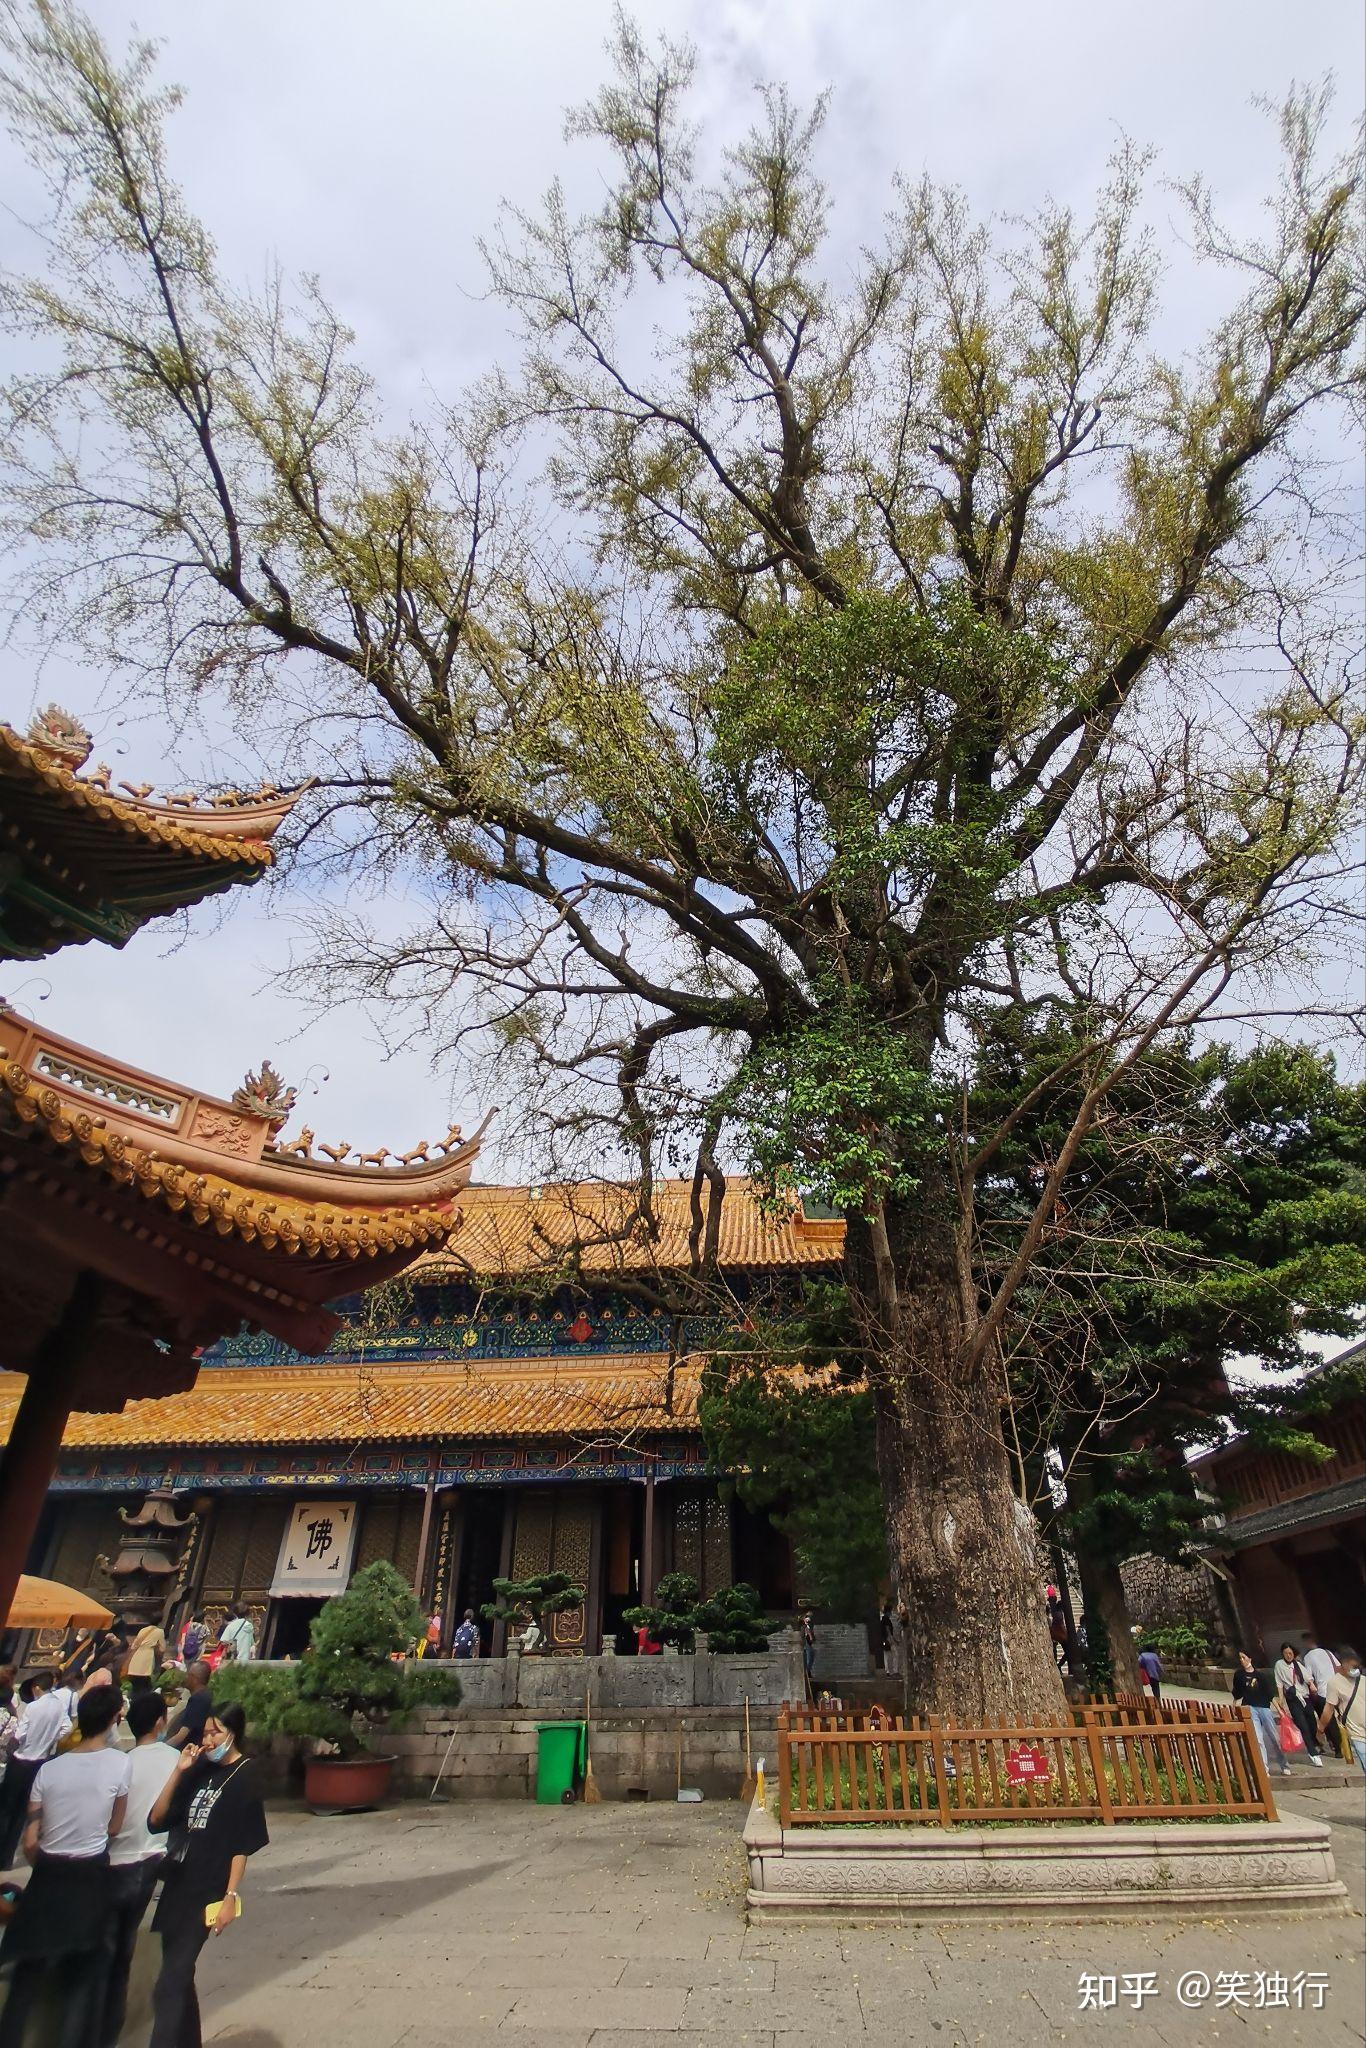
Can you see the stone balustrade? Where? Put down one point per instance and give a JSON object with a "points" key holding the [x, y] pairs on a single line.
{"points": [[559, 1685]]}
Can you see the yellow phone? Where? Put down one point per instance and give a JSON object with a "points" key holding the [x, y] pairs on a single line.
{"points": [[212, 1912]]}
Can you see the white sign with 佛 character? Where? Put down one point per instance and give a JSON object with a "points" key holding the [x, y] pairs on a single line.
{"points": [[315, 1556]]}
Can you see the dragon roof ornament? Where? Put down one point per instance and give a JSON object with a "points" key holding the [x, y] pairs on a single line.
{"points": [[61, 734]]}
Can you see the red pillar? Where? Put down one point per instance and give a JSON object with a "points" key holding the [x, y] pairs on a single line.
{"points": [[30, 1456], [422, 1576], [500, 1628]]}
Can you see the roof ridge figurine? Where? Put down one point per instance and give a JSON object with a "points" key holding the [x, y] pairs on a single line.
{"points": [[265, 1094], [60, 733]]}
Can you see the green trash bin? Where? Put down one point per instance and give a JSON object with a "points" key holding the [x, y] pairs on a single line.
{"points": [[559, 1761]]}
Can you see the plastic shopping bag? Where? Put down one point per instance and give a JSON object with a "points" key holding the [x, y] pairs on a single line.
{"points": [[1291, 1739]]}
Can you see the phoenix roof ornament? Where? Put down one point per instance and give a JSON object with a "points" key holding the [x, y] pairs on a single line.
{"points": [[265, 1094]]}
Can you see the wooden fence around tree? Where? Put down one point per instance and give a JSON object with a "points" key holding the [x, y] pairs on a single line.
{"points": [[1107, 1761]]}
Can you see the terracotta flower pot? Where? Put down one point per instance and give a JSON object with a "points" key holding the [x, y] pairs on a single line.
{"points": [[335, 1784]]}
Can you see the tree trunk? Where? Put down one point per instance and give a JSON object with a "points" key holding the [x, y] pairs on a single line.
{"points": [[1102, 1592], [1102, 1588], [964, 1548]]}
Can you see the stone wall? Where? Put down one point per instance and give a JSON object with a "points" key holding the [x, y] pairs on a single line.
{"points": [[841, 1651], [493, 1755], [1164, 1595]]}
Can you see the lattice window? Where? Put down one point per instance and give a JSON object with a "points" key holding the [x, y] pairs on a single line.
{"points": [[717, 1568], [227, 1549], [531, 1550], [378, 1533], [409, 1536], [688, 1535], [702, 1545], [264, 1536], [573, 1539]]}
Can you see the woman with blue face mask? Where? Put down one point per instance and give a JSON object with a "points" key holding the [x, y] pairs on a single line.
{"points": [[211, 1811]]}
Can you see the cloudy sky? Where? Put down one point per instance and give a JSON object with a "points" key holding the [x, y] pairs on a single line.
{"points": [[372, 145]]}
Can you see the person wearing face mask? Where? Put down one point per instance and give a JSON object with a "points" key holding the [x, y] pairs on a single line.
{"points": [[210, 1810], [1347, 1699]]}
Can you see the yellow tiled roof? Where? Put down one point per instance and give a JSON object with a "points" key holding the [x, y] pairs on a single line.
{"points": [[594, 1227], [215, 1202], [131, 817], [556, 1397]]}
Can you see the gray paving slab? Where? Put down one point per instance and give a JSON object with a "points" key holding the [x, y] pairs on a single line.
{"points": [[655, 2011], [611, 2037], [832, 2008], [457, 2036], [502, 1925], [757, 1973]]}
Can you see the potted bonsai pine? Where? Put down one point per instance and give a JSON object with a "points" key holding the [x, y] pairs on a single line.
{"points": [[346, 1690], [672, 1616], [733, 1621], [533, 1601]]}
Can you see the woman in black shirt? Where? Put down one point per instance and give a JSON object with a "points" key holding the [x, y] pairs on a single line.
{"points": [[211, 1808], [1254, 1690]]}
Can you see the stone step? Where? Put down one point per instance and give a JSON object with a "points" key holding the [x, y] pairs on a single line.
{"points": [[1303, 1777]]}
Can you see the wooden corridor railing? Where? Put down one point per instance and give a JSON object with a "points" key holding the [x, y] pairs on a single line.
{"points": [[1108, 1761]]}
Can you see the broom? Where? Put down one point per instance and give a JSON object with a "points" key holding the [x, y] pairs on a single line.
{"points": [[747, 1788], [591, 1794]]}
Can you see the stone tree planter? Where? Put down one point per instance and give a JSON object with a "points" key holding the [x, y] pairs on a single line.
{"points": [[1138, 1871], [352, 1784]]}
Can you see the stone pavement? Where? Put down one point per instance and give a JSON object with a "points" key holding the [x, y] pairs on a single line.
{"points": [[621, 1926]]}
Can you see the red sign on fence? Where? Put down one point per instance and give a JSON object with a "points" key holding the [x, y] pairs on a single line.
{"points": [[1025, 1765]]}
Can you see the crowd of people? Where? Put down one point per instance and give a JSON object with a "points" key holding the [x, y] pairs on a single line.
{"points": [[105, 1802], [1312, 1699]]}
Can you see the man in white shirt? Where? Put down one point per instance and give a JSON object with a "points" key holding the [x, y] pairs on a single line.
{"points": [[55, 1941], [41, 1727], [46, 1721], [66, 1695], [135, 1856], [1320, 1668]]}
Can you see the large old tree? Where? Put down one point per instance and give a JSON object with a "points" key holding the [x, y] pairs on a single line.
{"points": [[872, 651]]}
